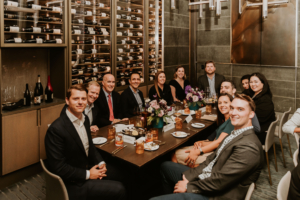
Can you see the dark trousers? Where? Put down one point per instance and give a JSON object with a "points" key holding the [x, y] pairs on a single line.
{"points": [[172, 173], [109, 188]]}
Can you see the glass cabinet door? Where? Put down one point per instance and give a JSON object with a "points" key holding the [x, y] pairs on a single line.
{"points": [[39, 22], [90, 40], [130, 40]]}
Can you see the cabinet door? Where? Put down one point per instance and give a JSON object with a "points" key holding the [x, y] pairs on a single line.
{"points": [[20, 141], [48, 115]]}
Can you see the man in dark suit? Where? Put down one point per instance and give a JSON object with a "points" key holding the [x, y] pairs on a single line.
{"points": [[210, 79], [132, 97], [229, 171], [109, 103], [91, 109], [72, 155]]}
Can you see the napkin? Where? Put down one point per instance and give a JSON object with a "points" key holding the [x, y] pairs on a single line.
{"points": [[171, 120], [121, 127], [210, 117]]}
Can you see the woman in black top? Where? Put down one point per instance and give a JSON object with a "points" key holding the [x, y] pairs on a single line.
{"points": [[178, 84], [262, 96], [245, 83], [161, 90]]}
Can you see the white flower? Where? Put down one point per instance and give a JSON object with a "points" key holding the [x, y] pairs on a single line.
{"points": [[147, 100], [150, 109]]}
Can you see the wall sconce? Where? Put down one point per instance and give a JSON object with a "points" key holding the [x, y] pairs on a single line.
{"points": [[213, 4], [172, 4], [264, 5]]}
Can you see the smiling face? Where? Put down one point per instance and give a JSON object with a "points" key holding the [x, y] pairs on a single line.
{"points": [[245, 84], [93, 93], [226, 87], [180, 73], [256, 84], [108, 83], [161, 79], [77, 101], [135, 81], [224, 104], [210, 68], [240, 114]]}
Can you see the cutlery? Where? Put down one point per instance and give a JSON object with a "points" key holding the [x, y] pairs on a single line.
{"points": [[191, 129], [120, 149], [162, 143], [116, 149], [103, 144], [107, 143]]}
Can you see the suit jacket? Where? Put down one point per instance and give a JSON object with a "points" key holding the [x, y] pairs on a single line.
{"points": [[203, 82], [238, 165], [129, 102], [294, 191], [103, 116], [95, 112], [65, 151]]}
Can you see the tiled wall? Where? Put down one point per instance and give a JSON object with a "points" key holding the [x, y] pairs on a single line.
{"points": [[176, 36]]}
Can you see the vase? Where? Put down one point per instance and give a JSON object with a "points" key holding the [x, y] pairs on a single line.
{"points": [[196, 107], [160, 123]]}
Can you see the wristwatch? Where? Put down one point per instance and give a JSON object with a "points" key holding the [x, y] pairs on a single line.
{"points": [[201, 152]]}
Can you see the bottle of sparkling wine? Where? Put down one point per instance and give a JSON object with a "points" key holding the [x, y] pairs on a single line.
{"points": [[40, 86], [48, 92], [27, 98], [37, 97]]}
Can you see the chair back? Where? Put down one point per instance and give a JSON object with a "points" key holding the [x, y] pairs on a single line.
{"points": [[295, 157], [55, 187], [283, 120], [284, 186], [250, 191], [270, 135]]}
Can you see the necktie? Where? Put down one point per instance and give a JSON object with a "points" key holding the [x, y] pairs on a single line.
{"points": [[111, 112]]}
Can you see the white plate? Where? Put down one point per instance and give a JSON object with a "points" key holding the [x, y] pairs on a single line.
{"points": [[99, 140], [192, 112], [179, 134], [198, 125], [153, 148]]}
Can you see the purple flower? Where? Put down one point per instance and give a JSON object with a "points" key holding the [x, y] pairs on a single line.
{"points": [[187, 89]]}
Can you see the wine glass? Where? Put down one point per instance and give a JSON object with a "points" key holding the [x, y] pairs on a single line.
{"points": [[177, 110], [207, 92]]}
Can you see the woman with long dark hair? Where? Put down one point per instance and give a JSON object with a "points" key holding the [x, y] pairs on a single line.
{"points": [[161, 90], [262, 96], [178, 84], [245, 83]]}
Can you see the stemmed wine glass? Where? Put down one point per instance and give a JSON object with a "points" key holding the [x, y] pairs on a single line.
{"points": [[177, 110]]}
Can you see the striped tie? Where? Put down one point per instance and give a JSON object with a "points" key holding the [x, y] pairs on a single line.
{"points": [[111, 112]]}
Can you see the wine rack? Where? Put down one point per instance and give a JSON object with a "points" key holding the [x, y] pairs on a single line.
{"points": [[33, 23], [90, 40], [130, 37], [155, 28]]}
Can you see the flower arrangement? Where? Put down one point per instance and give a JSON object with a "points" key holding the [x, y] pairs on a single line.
{"points": [[194, 97], [158, 109]]}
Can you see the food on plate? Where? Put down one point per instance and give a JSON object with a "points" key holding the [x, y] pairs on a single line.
{"points": [[187, 110]]}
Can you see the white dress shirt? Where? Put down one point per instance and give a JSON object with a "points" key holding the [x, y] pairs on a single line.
{"points": [[88, 111], [80, 128]]}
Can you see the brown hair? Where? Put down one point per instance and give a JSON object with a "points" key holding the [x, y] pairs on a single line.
{"points": [[229, 81], [156, 82], [175, 75], [92, 83], [210, 61], [246, 98], [220, 116], [79, 87]]}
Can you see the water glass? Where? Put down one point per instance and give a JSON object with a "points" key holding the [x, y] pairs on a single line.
{"points": [[149, 137], [179, 123], [198, 114], [154, 132], [139, 146], [119, 139]]}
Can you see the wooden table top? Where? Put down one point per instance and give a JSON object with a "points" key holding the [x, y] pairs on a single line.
{"points": [[128, 154]]}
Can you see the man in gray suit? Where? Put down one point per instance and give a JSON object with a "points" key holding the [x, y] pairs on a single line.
{"points": [[229, 171]]}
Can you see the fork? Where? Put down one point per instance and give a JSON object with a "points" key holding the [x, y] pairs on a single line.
{"points": [[120, 149], [116, 149]]}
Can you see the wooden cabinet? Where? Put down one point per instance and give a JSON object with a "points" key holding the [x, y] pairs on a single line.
{"points": [[20, 141], [48, 115]]}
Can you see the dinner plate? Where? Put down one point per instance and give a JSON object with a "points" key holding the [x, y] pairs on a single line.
{"points": [[192, 112], [179, 134], [149, 147], [99, 140], [198, 125]]}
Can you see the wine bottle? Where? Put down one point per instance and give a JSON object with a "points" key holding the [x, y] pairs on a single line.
{"points": [[40, 87], [11, 16], [9, 40], [49, 41], [27, 98], [37, 96], [48, 92]]}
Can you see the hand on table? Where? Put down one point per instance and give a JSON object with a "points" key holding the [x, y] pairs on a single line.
{"points": [[115, 121], [125, 119], [94, 128], [180, 187], [192, 157]]}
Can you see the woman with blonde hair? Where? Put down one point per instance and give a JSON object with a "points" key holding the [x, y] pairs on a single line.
{"points": [[178, 84], [161, 90]]}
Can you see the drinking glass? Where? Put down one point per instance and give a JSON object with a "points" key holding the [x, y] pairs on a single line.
{"points": [[207, 92], [178, 123], [177, 110], [119, 139], [111, 133], [139, 146], [198, 114], [138, 122], [149, 137], [208, 108], [154, 132]]}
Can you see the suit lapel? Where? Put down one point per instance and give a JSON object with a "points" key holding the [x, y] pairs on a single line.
{"points": [[94, 112], [72, 131], [132, 96], [103, 101], [206, 82], [142, 98]]}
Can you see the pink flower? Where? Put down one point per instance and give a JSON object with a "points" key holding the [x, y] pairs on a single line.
{"points": [[153, 103], [161, 113], [163, 102], [156, 106], [188, 95], [195, 99]]}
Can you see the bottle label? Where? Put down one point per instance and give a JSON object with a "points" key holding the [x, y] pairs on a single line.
{"points": [[57, 9], [118, 7], [37, 100], [140, 57], [94, 78], [24, 101], [121, 25], [150, 42], [123, 82], [89, 13], [103, 30], [14, 29], [93, 41], [101, 5], [87, 3], [141, 49], [10, 16], [130, 34], [80, 72], [80, 21], [36, 7], [139, 11], [118, 16], [150, 20], [58, 41], [37, 30], [12, 3], [106, 41], [103, 14], [120, 58], [119, 34], [123, 41], [90, 29], [128, 17], [133, 41], [139, 19], [77, 31], [120, 50], [80, 81], [129, 9], [73, 11], [79, 51], [151, 5], [105, 33], [58, 31], [131, 50], [92, 32], [130, 57], [94, 50], [18, 40], [39, 40], [95, 69]]}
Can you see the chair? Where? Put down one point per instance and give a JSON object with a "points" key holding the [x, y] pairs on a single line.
{"points": [[283, 186], [55, 186], [295, 157], [269, 142], [250, 191], [280, 133]]}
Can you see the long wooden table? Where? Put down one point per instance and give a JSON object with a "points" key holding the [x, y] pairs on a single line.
{"points": [[128, 154]]}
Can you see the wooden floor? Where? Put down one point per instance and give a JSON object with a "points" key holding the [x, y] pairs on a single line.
{"points": [[34, 188]]}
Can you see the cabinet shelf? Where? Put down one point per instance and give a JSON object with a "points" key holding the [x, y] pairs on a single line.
{"points": [[33, 33], [129, 68], [92, 44], [130, 60], [89, 74], [90, 25], [131, 4], [82, 64], [134, 29], [91, 35], [89, 6], [24, 20], [130, 36], [27, 10], [88, 54], [130, 12]]}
